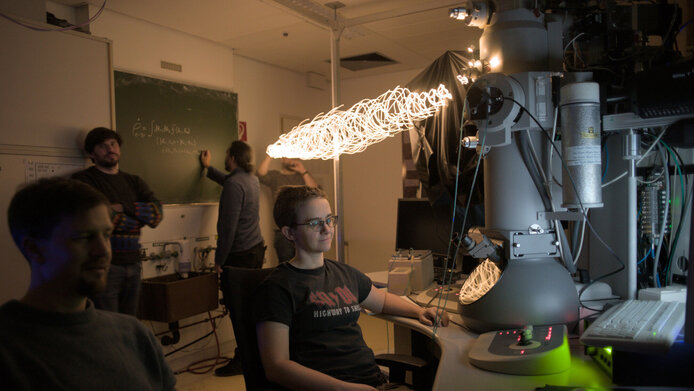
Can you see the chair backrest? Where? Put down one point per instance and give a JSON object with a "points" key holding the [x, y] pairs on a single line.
{"points": [[241, 284]]}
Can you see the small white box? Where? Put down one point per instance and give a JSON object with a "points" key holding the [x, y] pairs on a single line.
{"points": [[421, 264], [399, 281], [676, 293]]}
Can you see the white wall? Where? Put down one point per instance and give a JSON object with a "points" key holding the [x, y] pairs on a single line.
{"points": [[43, 111], [139, 47], [372, 183]]}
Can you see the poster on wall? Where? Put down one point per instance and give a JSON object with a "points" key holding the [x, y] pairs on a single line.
{"points": [[243, 136]]}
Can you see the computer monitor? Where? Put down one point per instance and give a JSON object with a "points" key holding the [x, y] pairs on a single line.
{"points": [[422, 227]]}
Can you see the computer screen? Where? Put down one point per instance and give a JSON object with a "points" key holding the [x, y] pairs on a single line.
{"points": [[422, 227]]}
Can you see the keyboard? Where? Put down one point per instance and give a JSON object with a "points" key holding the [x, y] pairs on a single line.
{"points": [[642, 326]]}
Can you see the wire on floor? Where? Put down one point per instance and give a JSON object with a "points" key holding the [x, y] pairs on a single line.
{"points": [[200, 367]]}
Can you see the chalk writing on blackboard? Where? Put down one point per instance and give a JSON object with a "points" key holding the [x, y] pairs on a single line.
{"points": [[141, 129], [168, 138], [164, 125]]}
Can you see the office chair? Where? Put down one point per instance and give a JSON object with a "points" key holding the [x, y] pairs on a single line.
{"points": [[240, 287], [241, 284], [399, 364]]}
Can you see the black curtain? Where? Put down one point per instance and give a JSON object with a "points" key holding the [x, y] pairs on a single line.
{"points": [[436, 154]]}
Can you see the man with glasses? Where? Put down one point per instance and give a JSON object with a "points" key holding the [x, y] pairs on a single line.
{"points": [[239, 242], [306, 310]]}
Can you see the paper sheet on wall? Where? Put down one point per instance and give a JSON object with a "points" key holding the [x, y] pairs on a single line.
{"points": [[33, 171]]}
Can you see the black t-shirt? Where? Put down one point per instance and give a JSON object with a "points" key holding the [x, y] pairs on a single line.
{"points": [[321, 307]]}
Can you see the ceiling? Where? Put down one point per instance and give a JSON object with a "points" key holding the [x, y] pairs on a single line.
{"points": [[296, 34]]}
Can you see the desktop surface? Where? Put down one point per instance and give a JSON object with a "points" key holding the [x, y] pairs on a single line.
{"points": [[586, 371], [456, 372]]}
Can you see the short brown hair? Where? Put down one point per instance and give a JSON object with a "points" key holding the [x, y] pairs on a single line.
{"points": [[29, 214], [288, 201]]}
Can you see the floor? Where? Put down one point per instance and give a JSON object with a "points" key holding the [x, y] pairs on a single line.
{"points": [[209, 382], [378, 334]]}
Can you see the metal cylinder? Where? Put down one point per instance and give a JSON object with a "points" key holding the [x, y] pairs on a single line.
{"points": [[511, 200], [631, 145], [580, 133], [518, 37]]}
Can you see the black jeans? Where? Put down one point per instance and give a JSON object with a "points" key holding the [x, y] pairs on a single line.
{"points": [[250, 259]]}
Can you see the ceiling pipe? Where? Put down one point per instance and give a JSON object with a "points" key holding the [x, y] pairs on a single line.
{"points": [[336, 84]]}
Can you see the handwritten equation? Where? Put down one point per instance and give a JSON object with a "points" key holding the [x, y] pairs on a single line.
{"points": [[168, 138]]}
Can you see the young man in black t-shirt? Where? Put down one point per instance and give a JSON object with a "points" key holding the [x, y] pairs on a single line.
{"points": [[291, 173], [306, 311]]}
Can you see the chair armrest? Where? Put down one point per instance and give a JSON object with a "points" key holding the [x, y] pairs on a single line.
{"points": [[405, 361], [399, 364]]}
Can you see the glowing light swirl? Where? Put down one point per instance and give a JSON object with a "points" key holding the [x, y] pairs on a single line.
{"points": [[367, 122], [480, 281]]}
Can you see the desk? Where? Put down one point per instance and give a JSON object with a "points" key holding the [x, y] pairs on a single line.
{"points": [[456, 373]]}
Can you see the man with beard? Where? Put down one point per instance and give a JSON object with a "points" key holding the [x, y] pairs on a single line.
{"points": [[133, 205], [53, 337], [292, 173], [239, 241]]}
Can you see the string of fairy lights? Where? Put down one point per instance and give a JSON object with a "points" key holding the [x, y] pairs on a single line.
{"points": [[369, 121]]}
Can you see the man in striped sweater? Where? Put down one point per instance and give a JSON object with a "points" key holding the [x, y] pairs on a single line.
{"points": [[133, 205]]}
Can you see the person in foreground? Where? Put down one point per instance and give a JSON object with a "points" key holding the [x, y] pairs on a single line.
{"points": [[53, 338], [306, 310]]}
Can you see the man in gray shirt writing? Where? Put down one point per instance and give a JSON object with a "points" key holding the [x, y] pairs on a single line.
{"points": [[239, 242]]}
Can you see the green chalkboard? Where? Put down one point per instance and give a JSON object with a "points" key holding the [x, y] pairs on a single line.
{"points": [[164, 126]]}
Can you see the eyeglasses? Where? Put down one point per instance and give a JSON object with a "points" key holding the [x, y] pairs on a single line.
{"points": [[317, 224]]}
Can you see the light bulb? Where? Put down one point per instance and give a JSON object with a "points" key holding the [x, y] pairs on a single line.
{"points": [[494, 62]]}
